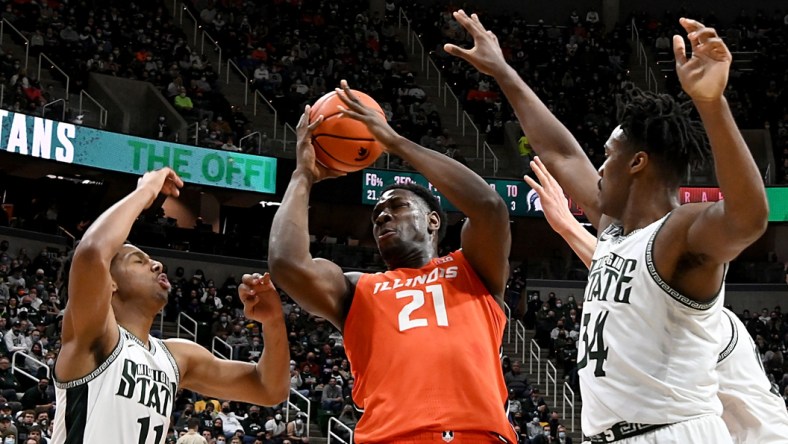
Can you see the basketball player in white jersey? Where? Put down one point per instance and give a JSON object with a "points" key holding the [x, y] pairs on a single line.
{"points": [[752, 410], [652, 310], [115, 383]]}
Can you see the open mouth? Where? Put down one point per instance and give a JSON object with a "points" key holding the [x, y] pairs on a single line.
{"points": [[164, 282]]}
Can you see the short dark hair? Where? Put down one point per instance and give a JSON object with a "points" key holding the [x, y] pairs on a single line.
{"points": [[430, 199], [663, 127]]}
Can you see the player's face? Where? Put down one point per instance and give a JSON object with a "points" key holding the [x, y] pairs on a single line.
{"points": [[136, 273], [400, 219], [613, 178]]}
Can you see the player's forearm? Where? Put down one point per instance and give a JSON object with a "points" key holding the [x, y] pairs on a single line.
{"points": [[112, 228], [745, 204], [581, 242], [273, 368], [464, 188], [288, 249], [548, 136]]}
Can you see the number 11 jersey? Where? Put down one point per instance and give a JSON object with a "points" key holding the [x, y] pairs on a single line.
{"points": [[646, 353], [128, 399], [424, 347]]}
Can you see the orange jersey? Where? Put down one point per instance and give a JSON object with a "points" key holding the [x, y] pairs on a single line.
{"points": [[423, 345]]}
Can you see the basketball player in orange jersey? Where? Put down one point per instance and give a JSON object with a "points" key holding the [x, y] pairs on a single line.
{"points": [[423, 338], [653, 304], [114, 382]]}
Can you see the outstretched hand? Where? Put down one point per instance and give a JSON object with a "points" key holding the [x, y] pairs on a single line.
{"points": [[486, 55], [705, 74], [260, 298], [375, 122], [554, 204], [305, 152], [161, 181]]}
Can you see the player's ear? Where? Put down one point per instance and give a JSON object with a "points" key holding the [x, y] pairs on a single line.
{"points": [[434, 222], [639, 162]]}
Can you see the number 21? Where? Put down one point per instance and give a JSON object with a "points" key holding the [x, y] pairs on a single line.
{"points": [[406, 323]]}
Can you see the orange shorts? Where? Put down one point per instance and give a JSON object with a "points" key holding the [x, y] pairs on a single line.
{"points": [[462, 437]]}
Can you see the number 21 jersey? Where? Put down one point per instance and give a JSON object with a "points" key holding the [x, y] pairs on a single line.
{"points": [[423, 345], [646, 353], [128, 399]]}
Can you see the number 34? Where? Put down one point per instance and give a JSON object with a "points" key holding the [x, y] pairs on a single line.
{"points": [[405, 321]]}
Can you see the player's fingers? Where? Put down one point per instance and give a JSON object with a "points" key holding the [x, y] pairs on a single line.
{"points": [[350, 113], [304, 117], [173, 176], [705, 35], [456, 51], [348, 92], [315, 124], [533, 184], [679, 50], [538, 169], [690, 25]]}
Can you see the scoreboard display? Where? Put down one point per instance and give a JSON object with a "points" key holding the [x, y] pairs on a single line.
{"points": [[520, 199]]}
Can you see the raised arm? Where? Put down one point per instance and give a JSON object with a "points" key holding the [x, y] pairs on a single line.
{"points": [[556, 211], [317, 285], [486, 238], [265, 383], [88, 323], [548, 136], [722, 230]]}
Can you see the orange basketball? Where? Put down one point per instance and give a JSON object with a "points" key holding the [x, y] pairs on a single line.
{"points": [[342, 143]]}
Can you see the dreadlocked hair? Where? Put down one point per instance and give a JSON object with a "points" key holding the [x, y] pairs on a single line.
{"points": [[663, 127], [425, 195]]}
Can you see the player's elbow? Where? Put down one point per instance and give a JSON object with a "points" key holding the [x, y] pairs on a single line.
{"points": [[273, 396], [91, 253], [493, 206], [752, 224]]}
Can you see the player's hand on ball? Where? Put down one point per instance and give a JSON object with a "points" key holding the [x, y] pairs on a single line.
{"points": [[305, 152], [377, 125], [260, 298]]}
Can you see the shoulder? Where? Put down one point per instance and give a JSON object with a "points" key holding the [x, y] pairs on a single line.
{"points": [[184, 352]]}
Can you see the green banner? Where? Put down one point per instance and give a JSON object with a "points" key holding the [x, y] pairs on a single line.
{"points": [[41, 138]]}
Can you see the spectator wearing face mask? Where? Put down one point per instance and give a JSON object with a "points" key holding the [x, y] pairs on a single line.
{"points": [[238, 341], [276, 426], [14, 340], [222, 325], [38, 397], [562, 437], [230, 422], [297, 429], [534, 428], [253, 424], [7, 429], [254, 350]]}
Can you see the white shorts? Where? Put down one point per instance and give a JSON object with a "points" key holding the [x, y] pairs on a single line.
{"points": [[706, 429]]}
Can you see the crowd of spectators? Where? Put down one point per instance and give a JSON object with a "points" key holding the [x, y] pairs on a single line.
{"points": [[576, 67], [294, 52], [136, 40], [759, 70]]}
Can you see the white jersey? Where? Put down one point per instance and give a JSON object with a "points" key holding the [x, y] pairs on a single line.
{"points": [[646, 353], [752, 410], [128, 399]]}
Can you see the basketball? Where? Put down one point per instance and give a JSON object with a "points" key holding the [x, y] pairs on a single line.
{"points": [[341, 143]]}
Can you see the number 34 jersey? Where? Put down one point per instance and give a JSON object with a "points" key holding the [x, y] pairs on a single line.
{"points": [[126, 400], [646, 353], [424, 350]]}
